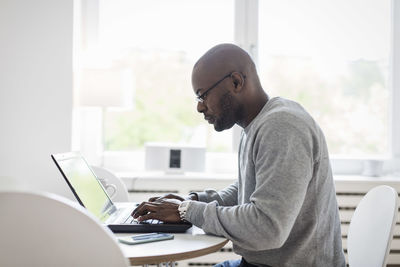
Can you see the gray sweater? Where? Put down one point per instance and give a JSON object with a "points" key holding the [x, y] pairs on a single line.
{"points": [[282, 211]]}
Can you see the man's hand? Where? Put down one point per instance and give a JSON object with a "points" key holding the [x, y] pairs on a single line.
{"points": [[173, 196], [162, 209], [167, 196]]}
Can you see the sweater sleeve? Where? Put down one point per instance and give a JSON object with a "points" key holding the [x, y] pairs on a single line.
{"points": [[282, 155], [225, 197]]}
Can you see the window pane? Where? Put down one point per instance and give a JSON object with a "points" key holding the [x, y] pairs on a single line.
{"points": [[332, 57], [160, 41]]}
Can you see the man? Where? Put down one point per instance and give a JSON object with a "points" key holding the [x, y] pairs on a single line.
{"points": [[282, 211]]}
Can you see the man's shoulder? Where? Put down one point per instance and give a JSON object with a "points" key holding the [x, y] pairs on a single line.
{"points": [[281, 111], [280, 105]]}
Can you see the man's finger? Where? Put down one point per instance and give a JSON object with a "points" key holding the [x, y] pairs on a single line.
{"points": [[144, 209], [138, 207], [152, 199], [148, 216]]}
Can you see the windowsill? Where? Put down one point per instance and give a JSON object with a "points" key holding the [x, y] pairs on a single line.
{"points": [[225, 165], [144, 181], [355, 166], [227, 176], [389, 177], [186, 175], [134, 162]]}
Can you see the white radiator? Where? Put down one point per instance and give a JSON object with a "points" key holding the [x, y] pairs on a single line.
{"points": [[349, 192]]}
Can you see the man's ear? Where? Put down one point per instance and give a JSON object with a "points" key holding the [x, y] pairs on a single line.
{"points": [[238, 81]]}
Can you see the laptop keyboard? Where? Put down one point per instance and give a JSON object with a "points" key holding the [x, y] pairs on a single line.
{"points": [[131, 220]]}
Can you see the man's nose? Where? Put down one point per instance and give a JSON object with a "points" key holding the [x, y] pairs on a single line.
{"points": [[201, 107]]}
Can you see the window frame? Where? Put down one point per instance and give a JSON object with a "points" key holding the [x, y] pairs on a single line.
{"points": [[394, 80], [246, 36]]}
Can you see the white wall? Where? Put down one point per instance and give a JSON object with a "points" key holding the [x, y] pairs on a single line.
{"points": [[35, 92]]}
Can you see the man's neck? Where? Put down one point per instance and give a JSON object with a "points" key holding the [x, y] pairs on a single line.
{"points": [[255, 107]]}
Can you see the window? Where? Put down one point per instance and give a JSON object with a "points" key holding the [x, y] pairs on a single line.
{"points": [[334, 57], [159, 41]]}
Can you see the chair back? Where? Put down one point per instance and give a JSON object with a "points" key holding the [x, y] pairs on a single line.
{"points": [[42, 229], [371, 228], [122, 194]]}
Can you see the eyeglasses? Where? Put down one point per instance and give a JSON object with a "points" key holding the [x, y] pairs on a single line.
{"points": [[200, 98]]}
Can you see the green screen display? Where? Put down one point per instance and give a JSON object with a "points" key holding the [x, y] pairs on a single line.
{"points": [[87, 187]]}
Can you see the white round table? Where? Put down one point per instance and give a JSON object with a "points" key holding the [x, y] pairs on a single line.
{"points": [[193, 243]]}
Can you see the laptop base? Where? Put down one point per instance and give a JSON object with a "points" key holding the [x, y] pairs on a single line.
{"points": [[148, 228]]}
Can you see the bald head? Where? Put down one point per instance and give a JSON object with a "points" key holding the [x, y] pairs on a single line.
{"points": [[222, 59]]}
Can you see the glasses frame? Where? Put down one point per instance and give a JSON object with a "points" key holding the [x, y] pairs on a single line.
{"points": [[200, 97]]}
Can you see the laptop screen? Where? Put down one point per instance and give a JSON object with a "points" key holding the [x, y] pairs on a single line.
{"points": [[84, 184]]}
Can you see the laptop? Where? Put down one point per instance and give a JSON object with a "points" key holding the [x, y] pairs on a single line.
{"points": [[91, 194]]}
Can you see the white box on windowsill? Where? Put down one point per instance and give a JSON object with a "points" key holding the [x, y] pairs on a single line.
{"points": [[174, 158]]}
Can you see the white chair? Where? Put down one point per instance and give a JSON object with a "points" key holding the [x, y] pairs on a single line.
{"points": [[42, 229], [121, 192], [371, 228]]}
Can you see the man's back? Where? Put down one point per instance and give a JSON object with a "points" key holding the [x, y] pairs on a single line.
{"points": [[285, 171]]}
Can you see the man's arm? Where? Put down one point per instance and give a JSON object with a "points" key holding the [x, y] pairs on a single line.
{"points": [[165, 208], [224, 197], [191, 196], [284, 166]]}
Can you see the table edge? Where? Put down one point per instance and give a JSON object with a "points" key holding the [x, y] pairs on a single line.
{"points": [[177, 256]]}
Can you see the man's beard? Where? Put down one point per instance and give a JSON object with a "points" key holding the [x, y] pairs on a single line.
{"points": [[229, 113]]}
